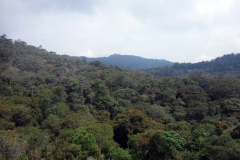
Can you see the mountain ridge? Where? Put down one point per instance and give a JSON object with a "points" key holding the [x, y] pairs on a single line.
{"points": [[227, 64], [131, 61]]}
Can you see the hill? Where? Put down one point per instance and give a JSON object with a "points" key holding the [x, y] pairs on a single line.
{"points": [[228, 64], [57, 107], [133, 62]]}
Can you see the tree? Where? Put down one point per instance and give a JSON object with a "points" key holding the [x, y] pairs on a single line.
{"points": [[11, 146], [84, 60], [174, 139], [158, 148], [22, 115], [61, 149], [46, 98], [183, 128], [29, 63], [103, 117], [35, 137], [103, 134], [60, 109], [74, 120], [139, 143], [197, 110], [192, 92], [200, 134], [119, 154], [87, 142], [6, 117], [132, 122], [53, 123], [79, 62], [230, 105], [91, 96], [60, 92], [222, 148]]}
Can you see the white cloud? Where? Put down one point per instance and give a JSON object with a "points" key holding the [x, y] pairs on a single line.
{"points": [[89, 53], [179, 31], [128, 22], [212, 7]]}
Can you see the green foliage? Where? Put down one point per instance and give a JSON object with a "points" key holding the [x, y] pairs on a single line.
{"points": [[203, 131], [76, 98], [94, 151], [103, 134], [12, 147], [79, 62], [197, 110], [188, 81], [35, 137], [168, 96], [162, 113], [74, 120], [223, 147], [200, 134], [6, 117], [228, 64], [56, 107], [60, 109], [107, 101], [99, 86], [75, 84], [174, 139], [103, 117], [132, 122], [23, 158], [60, 149], [22, 115], [53, 123], [86, 141], [82, 138], [74, 151], [46, 98], [60, 92], [119, 154], [130, 94], [192, 93], [124, 103], [119, 94], [183, 128], [158, 148], [230, 105]]}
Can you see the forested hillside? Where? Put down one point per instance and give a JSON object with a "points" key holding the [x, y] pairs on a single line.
{"points": [[57, 107], [228, 65], [133, 62]]}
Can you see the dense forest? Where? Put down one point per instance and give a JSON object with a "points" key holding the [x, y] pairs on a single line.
{"points": [[57, 107], [133, 62], [227, 65]]}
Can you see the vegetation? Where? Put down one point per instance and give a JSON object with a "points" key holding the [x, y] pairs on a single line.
{"points": [[227, 65], [57, 107]]}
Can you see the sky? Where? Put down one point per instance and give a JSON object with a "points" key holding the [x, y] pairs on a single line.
{"points": [[174, 30]]}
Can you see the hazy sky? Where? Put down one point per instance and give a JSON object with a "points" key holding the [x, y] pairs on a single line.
{"points": [[175, 30]]}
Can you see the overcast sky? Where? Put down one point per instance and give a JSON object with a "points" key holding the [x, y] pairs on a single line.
{"points": [[175, 30]]}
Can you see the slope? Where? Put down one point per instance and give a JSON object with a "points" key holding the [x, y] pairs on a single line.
{"points": [[56, 107], [228, 64]]}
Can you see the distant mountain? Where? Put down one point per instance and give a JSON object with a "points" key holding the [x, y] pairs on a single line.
{"points": [[228, 64], [133, 62]]}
